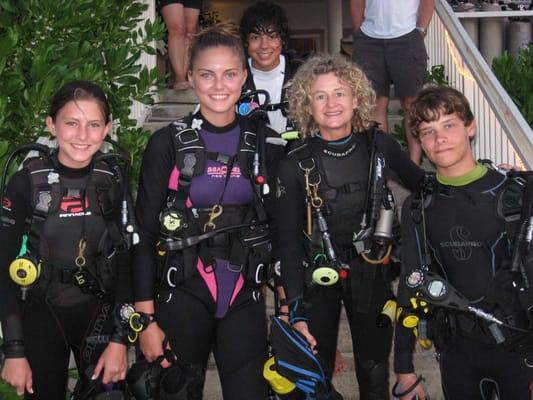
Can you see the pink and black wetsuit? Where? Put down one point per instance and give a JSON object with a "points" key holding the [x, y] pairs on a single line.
{"points": [[212, 309]]}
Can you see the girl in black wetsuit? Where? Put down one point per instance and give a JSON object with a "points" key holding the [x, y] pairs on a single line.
{"points": [[196, 177], [72, 198], [331, 99]]}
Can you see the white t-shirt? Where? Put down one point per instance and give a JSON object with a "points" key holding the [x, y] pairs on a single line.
{"points": [[389, 19], [272, 82]]}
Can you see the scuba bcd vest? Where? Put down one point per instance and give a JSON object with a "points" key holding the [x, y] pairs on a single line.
{"points": [[74, 232], [248, 103], [344, 186], [504, 316], [236, 233]]}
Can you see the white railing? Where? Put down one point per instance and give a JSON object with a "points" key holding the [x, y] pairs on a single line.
{"points": [[138, 110], [503, 135]]}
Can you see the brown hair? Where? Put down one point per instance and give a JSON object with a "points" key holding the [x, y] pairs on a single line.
{"points": [[223, 34], [300, 90], [76, 91], [435, 101]]}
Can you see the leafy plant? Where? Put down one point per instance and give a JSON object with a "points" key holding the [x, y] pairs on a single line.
{"points": [[436, 76], [516, 76], [135, 141], [46, 43]]}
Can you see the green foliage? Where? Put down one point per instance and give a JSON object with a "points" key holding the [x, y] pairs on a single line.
{"points": [[46, 43], [399, 133], [7, 392], [435, 76], [134, 140], [516, 76]]}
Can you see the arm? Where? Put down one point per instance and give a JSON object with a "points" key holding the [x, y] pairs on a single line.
{"points": [[289, 215], [357, 11], [397, 159], [425, 12], [15, 212], [16, 370], [404, 342], [158, 162]]}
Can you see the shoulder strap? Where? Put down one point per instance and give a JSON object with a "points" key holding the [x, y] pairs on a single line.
{"points": [[45, 192], [306, 161], [421, 200], [108, 186], [189, 155], [247, 147], [509, 203]]}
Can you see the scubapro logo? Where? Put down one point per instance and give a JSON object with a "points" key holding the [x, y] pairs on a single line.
{"points": [[344, 153], [459, 244]]}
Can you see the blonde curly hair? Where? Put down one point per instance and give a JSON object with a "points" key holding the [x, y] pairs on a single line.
{"points": [[299, 92]]}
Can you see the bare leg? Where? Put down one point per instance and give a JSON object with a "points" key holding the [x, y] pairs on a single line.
{"points": [[191, 27], [174, 17], [380, 112], [415, 151]]}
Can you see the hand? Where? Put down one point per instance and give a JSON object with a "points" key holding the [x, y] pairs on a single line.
{"points": [[407, 380], [114, 363], [151, 343], [284, 313], [301, 326], [17, 373], [509, 167]]}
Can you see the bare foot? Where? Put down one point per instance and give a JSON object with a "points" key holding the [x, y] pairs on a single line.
{"points": [[340, 364], [181, 85]]}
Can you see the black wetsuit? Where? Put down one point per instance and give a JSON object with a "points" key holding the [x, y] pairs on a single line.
{"points": [[57, 317], [469, 247], [213, 309], [343, 165]]}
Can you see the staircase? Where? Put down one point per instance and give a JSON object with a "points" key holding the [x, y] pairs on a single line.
{"points": [[172, 105]]}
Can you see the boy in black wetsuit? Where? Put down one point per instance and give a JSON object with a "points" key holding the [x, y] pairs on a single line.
{"points": [[456, 228]]}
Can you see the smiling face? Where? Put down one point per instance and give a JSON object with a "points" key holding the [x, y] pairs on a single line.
{"points": [[264, 48], [217, 76], [446, 142], [332, 105], [79, 128]]}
